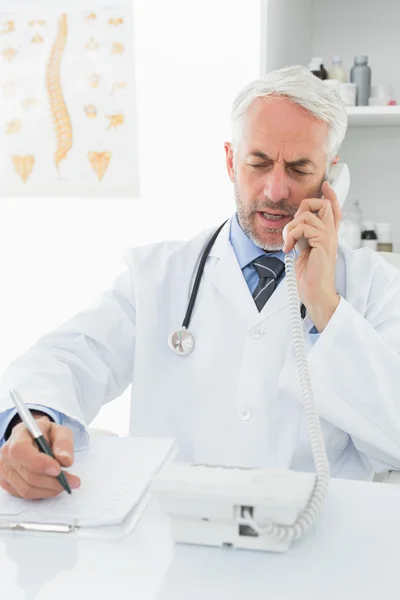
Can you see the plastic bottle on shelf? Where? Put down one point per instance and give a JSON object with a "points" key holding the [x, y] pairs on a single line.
{"points": [[369, 239], [316, 67], [360, 74], [384, 233], [382, 95], [336, 71], [351, 226]]}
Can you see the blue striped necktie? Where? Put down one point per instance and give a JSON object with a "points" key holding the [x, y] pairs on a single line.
{"points": [[269, 270]]}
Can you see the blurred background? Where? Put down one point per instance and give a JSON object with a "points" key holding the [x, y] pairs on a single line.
{"points": [[189, 60], [57, 254]]}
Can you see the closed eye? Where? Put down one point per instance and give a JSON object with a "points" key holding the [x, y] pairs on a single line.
{"points": [[300, 172], [267, 165]]}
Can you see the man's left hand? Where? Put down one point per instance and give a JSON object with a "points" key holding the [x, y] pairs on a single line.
{"points": [[318, 220]]}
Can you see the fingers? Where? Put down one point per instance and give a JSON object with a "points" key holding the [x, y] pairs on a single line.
{"points": [[316, 237], [327, 208], [28, 483], [330, 195], [27, 473], [22, 450], [310, 218], [16, 486], [306, 225], [8, 488], [62, 443]]}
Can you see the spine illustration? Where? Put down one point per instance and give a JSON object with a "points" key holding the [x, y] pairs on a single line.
{"points": [[58, 107]]}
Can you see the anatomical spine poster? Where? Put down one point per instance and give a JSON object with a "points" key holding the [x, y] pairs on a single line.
{"points": [[67, 102]]}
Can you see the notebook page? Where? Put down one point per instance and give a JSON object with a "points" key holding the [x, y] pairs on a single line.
{"points": [[115, 473]]}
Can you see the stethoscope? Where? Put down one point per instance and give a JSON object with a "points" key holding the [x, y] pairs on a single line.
{"points": [[181, 341]]}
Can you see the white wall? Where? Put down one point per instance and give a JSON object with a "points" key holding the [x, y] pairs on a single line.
{"points": [[57, 254], [287, 33]]}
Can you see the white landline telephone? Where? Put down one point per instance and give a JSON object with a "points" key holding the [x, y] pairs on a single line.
{"points": [[252, 508]]}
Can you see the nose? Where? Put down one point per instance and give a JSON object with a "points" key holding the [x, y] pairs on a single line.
{"points": [[276, 186]]}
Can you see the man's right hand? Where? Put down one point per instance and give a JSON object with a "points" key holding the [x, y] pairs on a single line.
{"points": [[27, 473]]}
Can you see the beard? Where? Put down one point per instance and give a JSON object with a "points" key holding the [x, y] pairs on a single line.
{"points": [[271, 240]]}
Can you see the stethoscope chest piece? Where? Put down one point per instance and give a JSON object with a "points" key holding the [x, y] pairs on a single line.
{"points": [[181, 341]]}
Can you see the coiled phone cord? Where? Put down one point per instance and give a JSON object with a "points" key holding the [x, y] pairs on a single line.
{"points": [[308, 516]]}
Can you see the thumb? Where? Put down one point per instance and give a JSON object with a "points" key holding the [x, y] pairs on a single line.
{"points": [[329, 194], [327, 190], [62, 443]]}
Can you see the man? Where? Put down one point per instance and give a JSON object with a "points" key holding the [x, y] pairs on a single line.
{"points": [[235, 399]]}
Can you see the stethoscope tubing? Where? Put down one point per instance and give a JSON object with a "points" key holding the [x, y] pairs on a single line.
{"points": [[182, 341]]}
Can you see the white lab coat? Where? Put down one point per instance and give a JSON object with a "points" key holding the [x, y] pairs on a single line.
{"points": [[236, 399]]}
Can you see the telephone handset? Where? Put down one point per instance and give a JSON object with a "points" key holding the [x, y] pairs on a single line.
{"points": [[339, 179]]}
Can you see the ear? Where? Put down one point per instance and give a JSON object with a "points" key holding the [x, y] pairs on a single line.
{"points": [[229, 161], [336, 160]]}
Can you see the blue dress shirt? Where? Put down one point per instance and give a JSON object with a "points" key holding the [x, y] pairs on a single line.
{"points": [[8, 415], [246, 251]]}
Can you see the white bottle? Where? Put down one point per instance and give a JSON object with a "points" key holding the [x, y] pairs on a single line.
{"points": [[336, 71], [384, 233], [369, 239]]}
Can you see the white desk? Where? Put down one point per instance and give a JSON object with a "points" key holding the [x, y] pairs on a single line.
{"points": [[353, 553]]}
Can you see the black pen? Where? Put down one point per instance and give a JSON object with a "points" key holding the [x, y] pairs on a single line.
{"points": [[36, 433]]}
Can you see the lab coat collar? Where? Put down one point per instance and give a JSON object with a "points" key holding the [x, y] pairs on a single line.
{"points": [[224, 272]]}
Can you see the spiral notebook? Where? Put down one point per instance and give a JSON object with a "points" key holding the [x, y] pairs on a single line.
{"points": [[115, 473]]}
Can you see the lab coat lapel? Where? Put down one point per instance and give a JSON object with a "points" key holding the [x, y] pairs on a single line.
{"points": [[225, 274], [277, 302], [223, 271]]}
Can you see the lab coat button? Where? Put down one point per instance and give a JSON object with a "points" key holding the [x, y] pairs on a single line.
{"points": [[256, 334], [245, 414]]}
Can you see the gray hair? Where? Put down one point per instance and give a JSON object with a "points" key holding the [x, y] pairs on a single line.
{"points": [[303, 88]]}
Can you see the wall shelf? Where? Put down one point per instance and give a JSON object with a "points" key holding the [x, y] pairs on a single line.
{"points": [[373, 116]]}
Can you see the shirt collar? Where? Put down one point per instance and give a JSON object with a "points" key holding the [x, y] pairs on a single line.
{"points": [[246, 251]]}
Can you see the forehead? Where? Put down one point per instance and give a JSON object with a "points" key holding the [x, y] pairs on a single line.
{"points": [[275, 123]]}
